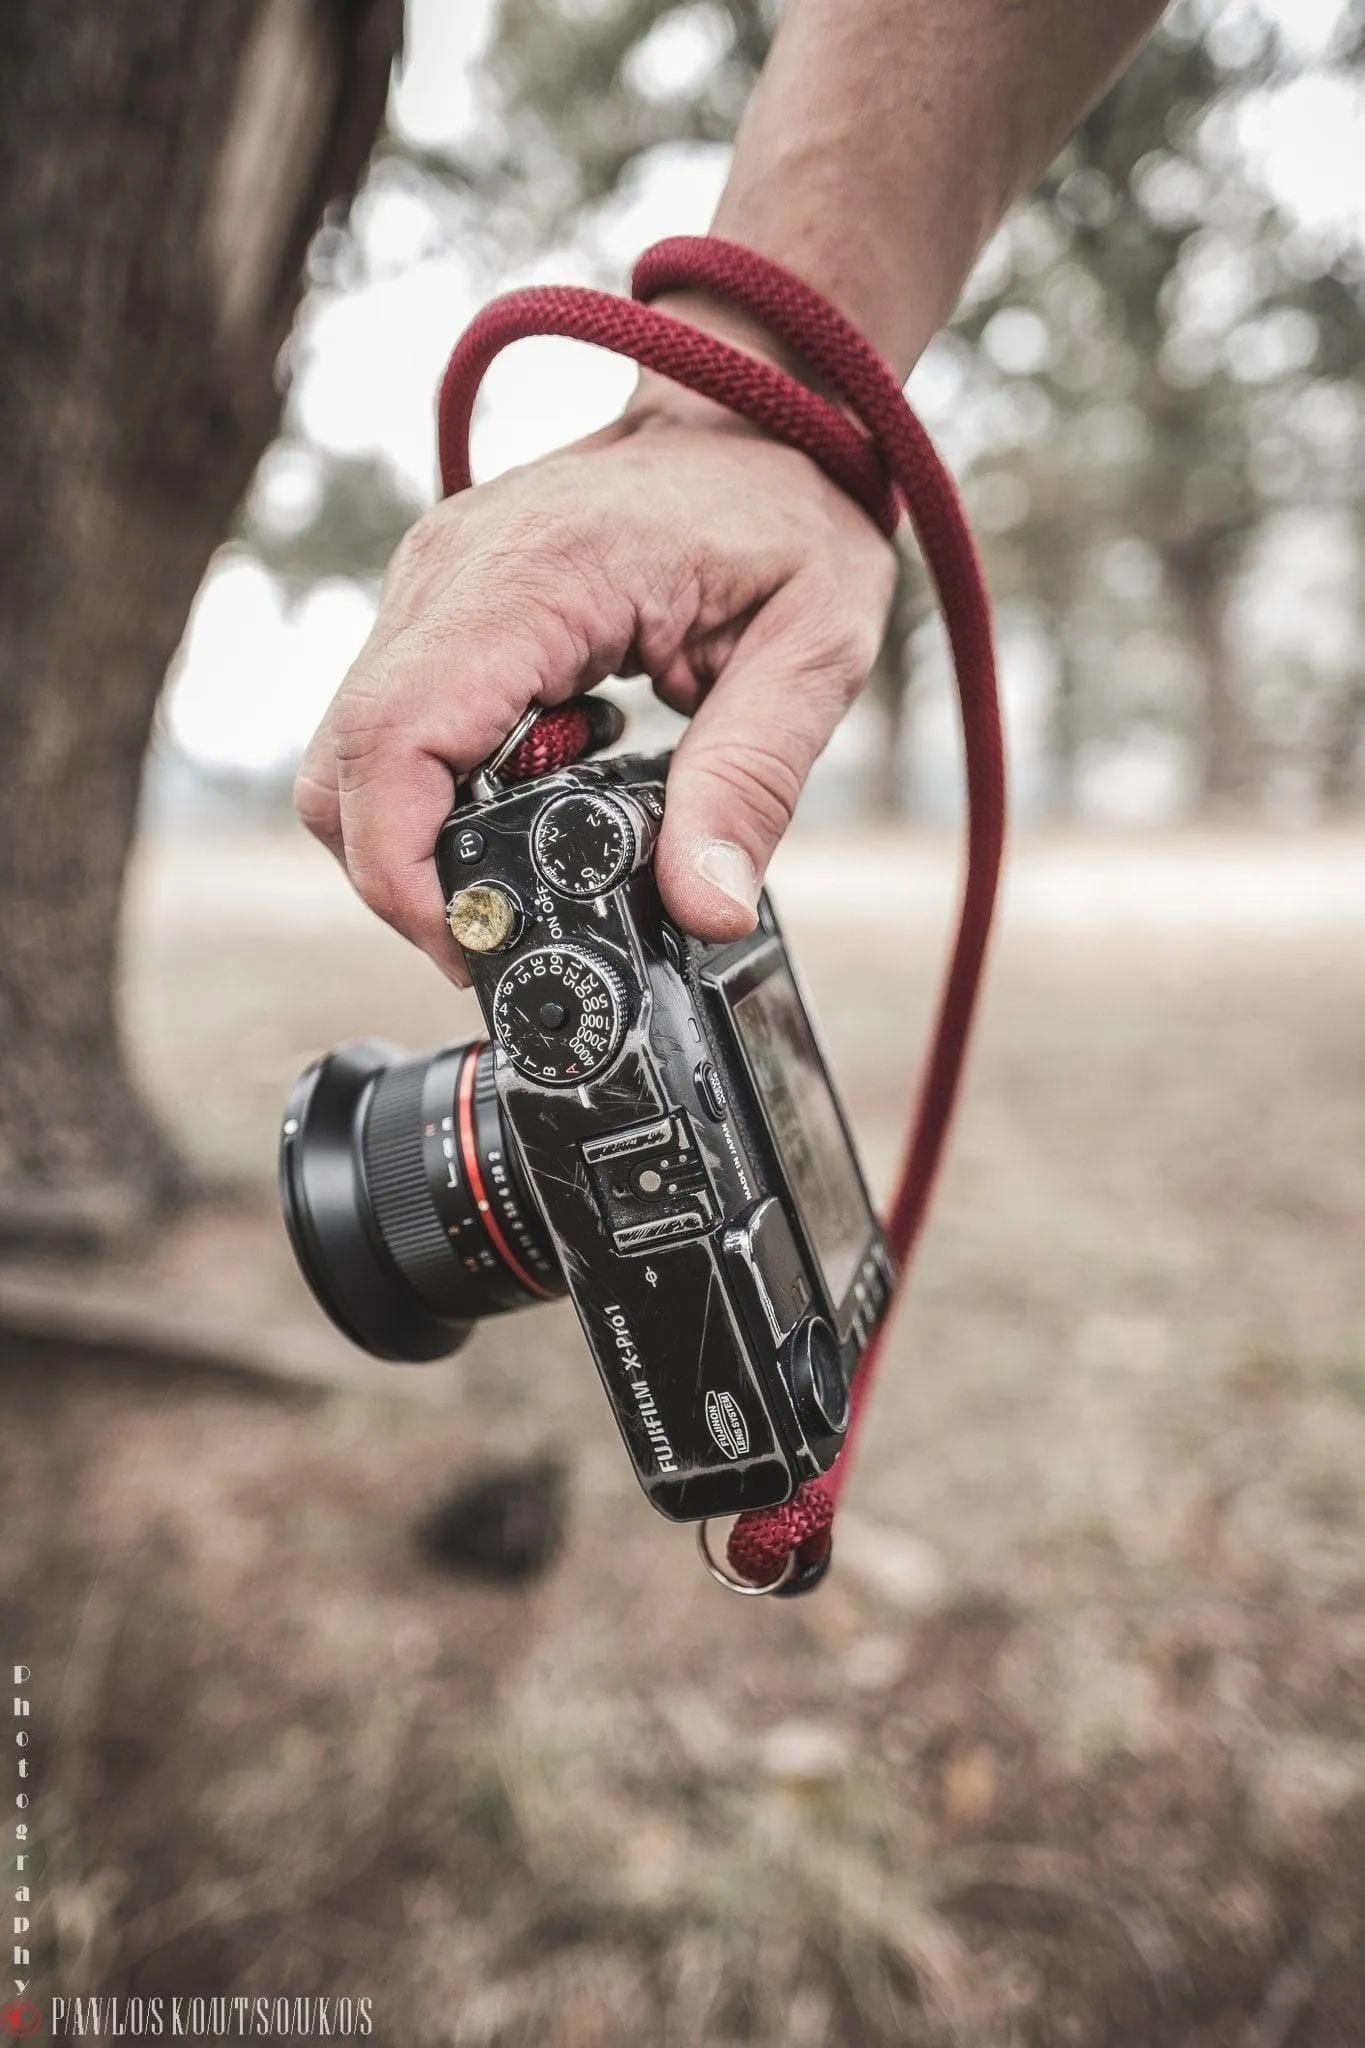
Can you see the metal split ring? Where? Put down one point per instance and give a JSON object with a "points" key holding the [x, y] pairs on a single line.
{"points": [[741, 1586], [483, 781]]}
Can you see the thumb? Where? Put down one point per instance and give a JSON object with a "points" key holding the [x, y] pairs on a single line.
{"points": [[744, 760]]}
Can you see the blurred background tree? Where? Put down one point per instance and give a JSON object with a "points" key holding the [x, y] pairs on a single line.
{"points": [[1156, 367], [1186, 363]]}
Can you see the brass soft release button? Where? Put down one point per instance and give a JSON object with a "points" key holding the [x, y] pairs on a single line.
{"points": [[485, 918]]}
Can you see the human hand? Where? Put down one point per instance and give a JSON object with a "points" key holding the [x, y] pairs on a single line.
{"points": [[679, 543]]}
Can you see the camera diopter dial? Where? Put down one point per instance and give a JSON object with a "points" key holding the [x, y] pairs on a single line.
{"points": [[586, 842], [559, 1014]]}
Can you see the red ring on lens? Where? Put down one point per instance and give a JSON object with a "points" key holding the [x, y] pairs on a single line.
{"points": [[469, 1151]]}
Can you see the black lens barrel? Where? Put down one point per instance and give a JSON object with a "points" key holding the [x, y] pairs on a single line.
{"points": [[407, 1208]]}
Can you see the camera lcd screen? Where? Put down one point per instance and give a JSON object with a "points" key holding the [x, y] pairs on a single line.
{"points": [[807, 1130]]}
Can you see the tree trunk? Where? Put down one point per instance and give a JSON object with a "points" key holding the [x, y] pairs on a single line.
{"points": [[163, 164], [1228, 778], [1064, 728], [888, 687], [1343, 781]]}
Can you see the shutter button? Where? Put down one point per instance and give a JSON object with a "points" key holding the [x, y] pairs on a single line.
{"points": [[710, 1092]]}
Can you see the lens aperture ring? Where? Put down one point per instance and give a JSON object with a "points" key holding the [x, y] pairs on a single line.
{"points": [[511, 1215], [495, 1244]]}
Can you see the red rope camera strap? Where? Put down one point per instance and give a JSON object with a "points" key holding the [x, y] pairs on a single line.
{"points": [[876, 450]]}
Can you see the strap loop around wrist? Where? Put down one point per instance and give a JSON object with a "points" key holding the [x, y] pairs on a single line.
{"points": [[657, 341]]}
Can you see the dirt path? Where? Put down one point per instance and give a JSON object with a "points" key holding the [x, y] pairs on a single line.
{"points": [[1070, 1750]]}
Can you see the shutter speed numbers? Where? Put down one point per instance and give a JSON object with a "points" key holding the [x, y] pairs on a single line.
{"points": [[559, 1014]]}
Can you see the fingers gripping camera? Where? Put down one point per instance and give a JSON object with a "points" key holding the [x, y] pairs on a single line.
{"points": [[653, 1129]]}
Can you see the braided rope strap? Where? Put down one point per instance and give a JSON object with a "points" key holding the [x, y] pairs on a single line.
{"points": [[562, 736], [875, 449]]}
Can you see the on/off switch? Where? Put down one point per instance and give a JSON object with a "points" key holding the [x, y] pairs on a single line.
{"points": [[710, 1093]]}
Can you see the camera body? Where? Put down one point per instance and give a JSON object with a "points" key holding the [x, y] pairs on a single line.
{"points": [[676, 1124]]}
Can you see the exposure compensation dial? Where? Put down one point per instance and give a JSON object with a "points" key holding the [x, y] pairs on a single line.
{"points": [[559, 1014], [587, 842]]}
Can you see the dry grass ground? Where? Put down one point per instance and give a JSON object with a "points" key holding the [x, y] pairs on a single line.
{"points": [[1071, 1747]]}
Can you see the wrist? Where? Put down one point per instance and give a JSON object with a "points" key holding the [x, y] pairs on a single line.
{"points": [[658, 398]]}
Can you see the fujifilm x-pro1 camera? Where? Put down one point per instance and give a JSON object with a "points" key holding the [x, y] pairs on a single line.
{"points": [[650, 1128]]}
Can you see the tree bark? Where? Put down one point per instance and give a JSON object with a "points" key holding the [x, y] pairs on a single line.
{"points": [[163, 164]]}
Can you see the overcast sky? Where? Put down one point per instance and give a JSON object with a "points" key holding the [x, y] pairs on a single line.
{"points": [[253, 683]]}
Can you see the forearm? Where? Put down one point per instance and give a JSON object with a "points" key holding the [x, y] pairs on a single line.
{"points": [[886, 139], [883, 144]]}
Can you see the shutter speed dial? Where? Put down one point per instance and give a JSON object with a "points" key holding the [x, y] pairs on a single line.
{"points": [[585, 843], [559, 1014]]}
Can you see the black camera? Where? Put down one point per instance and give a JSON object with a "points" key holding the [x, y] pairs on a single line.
{"points": [[652, 1130]]}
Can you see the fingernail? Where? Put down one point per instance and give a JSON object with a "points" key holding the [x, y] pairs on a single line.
{"points": [[728, 868]]}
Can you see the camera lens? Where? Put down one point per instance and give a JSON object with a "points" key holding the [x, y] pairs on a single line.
{"points": [[405, 1200]]}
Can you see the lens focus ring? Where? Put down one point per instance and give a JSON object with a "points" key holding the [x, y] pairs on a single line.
{"points": [[395, 1171]]}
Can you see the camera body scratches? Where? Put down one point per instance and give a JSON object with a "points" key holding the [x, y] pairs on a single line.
{"points": [[652, 1129]]}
